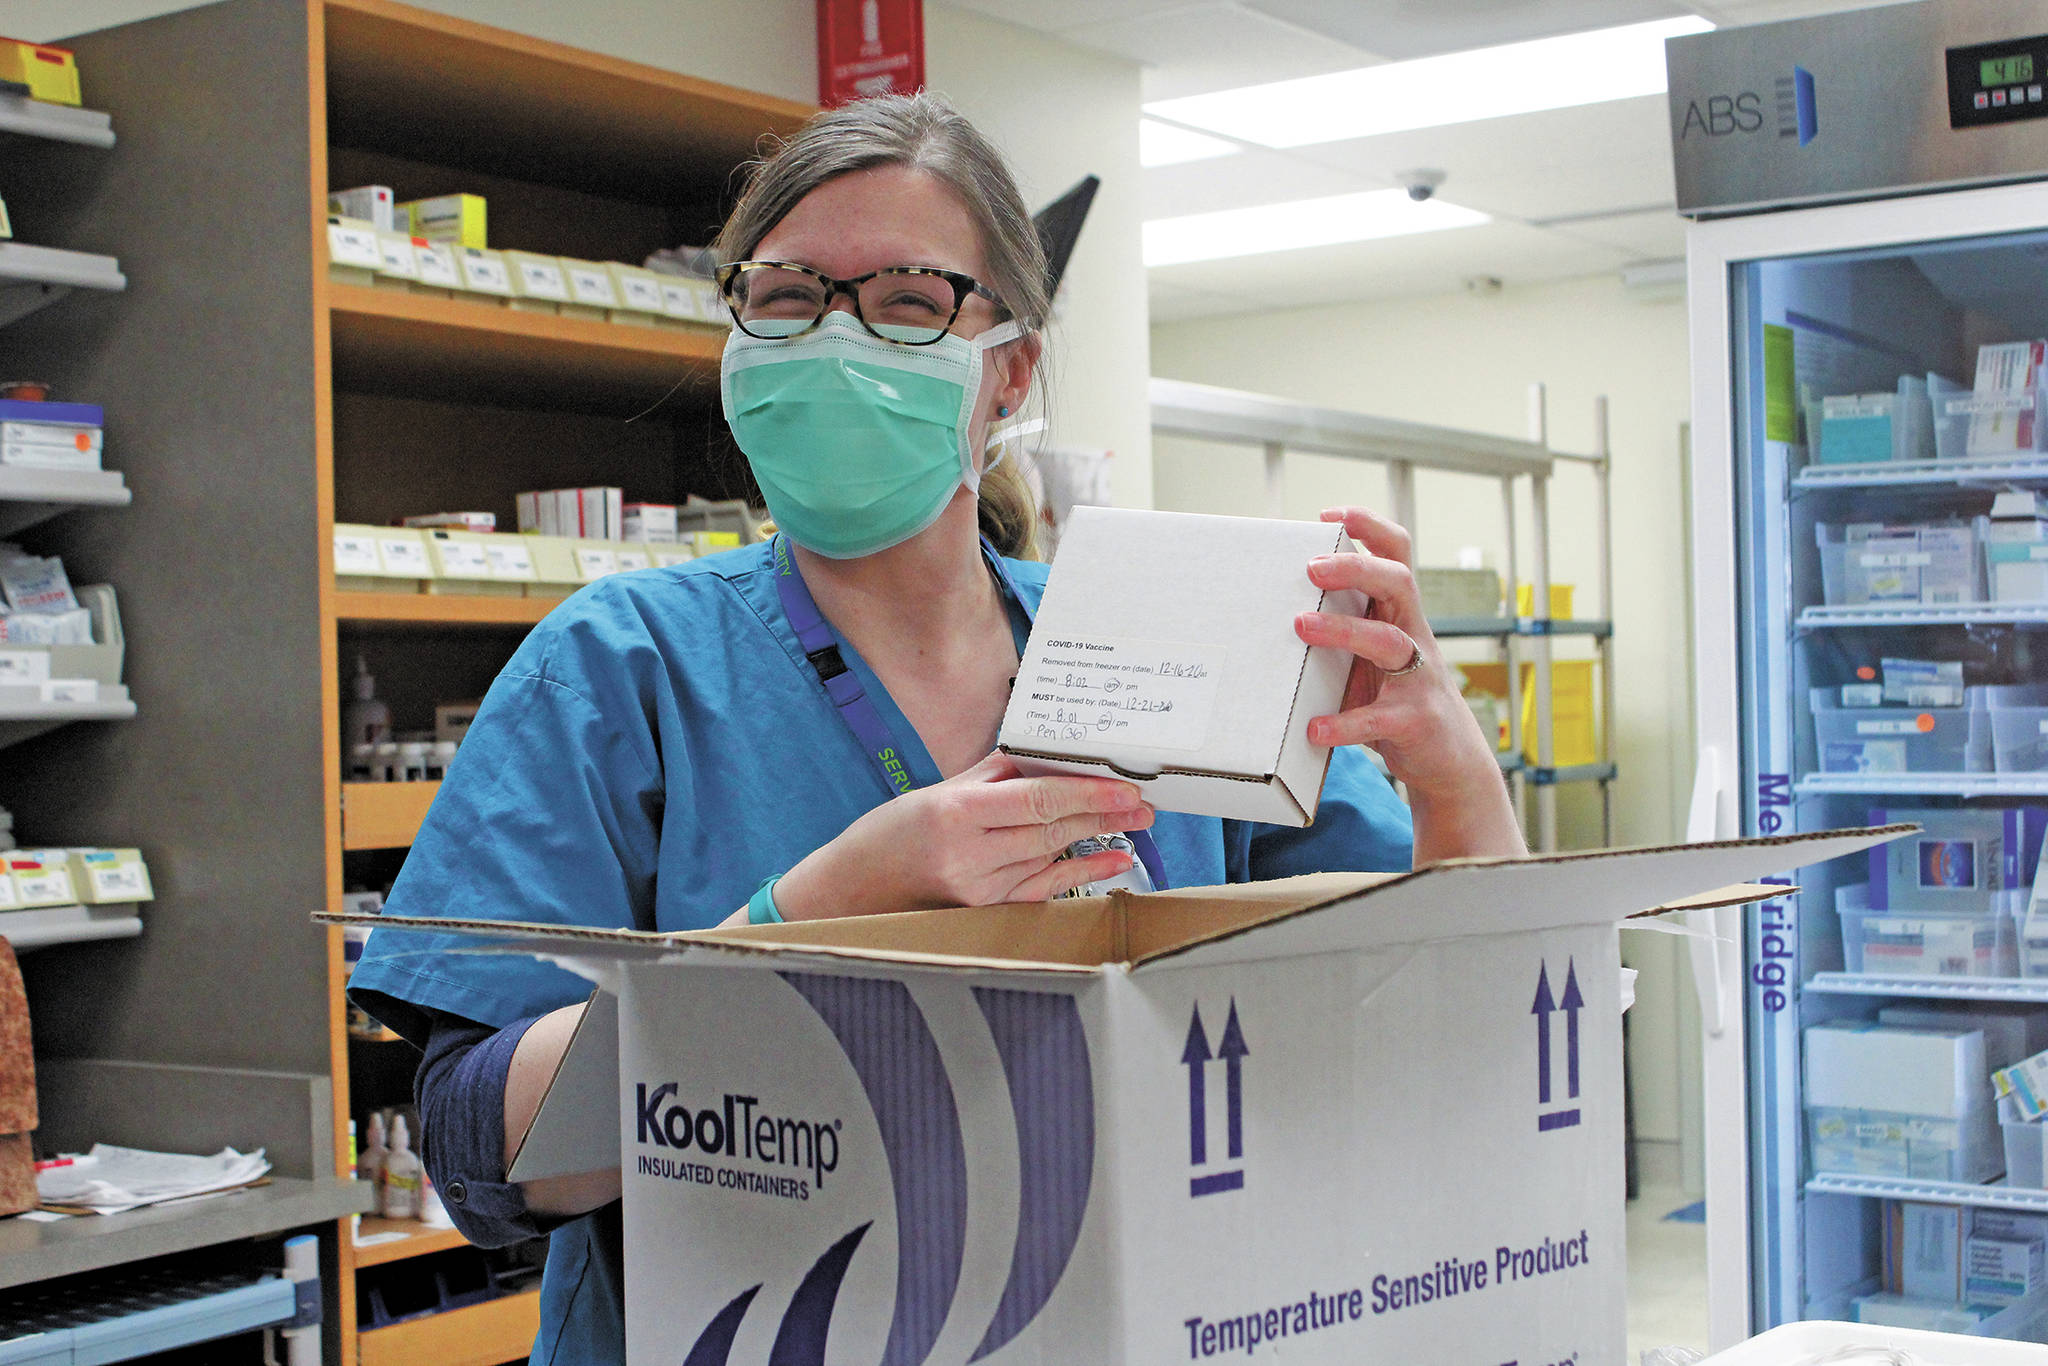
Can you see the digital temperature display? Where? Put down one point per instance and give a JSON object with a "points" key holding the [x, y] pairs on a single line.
{"points": [[2009, 70]]}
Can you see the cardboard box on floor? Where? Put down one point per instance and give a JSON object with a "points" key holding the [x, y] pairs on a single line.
{"points": [[1343, 1118]]}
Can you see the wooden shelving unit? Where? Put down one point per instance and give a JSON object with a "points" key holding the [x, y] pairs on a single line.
{"points": [[387, 341], [440, 609], [383, 815], [418, 1240], [480, 1335], [261, 403]]}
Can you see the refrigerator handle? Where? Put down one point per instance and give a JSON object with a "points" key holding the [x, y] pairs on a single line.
{"points": [[1702, 824]]}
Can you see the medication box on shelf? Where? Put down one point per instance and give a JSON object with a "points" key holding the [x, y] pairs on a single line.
{"points": [[1856, 429], [379, 559], [97, 663], [457, 219], [1910, 1103], [538, 284], [639, 291], [653, 523], [110, 876], [1924, 943], [1132, 1128], [42, 877], [1957, 863], [2002, 1270], [590, 289], [1925, 1243], [370, 203], [1189, 679], [50, 73], [2024, 1164]]}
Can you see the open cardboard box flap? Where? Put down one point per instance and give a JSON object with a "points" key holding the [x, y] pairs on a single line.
{"points": [[575, 1131], [1200, 926]]}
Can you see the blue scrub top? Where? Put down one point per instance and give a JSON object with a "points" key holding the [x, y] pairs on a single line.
{"points": [[656, 747]]}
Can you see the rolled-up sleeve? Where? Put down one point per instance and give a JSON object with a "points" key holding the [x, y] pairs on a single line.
{"points": [[460, 1090]]}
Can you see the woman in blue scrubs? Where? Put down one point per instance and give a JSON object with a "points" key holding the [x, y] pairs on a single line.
{"points": [[806, 728]]}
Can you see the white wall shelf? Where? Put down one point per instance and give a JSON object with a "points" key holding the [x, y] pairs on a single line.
{"points": [[1896, 614], [2030, 990], [34, 277], [1923, 785], [25, 720], [29, 496], [25, 117], [41, 926], [1277, 426], [1941, 1192]]}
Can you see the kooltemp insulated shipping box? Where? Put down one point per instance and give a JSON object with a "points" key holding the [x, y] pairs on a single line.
{"points": [[1344, 1118]]}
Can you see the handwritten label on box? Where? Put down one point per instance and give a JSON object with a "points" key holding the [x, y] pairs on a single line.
{"points": [[1153, 693]]}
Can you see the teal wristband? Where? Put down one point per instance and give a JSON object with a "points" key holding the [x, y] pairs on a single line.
{"points": [[761, 908]]}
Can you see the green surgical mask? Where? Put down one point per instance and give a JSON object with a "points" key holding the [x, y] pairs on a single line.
{"points": [[858, 443]]}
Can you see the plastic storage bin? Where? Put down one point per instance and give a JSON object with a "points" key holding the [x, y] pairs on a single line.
{"points": [[1865, 563], [1921, 944], [1913, 1147], [1899, 739]]}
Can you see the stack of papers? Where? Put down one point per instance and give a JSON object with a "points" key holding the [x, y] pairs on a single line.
{"points": [[111, 1180]]}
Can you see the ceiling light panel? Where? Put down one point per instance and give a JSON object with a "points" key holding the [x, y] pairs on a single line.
{"points": [[1264, 228], [1401, 29], [1487, 83]]}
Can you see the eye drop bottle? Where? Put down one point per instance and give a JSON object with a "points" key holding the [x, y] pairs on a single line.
{"points": [[401, 1175]]}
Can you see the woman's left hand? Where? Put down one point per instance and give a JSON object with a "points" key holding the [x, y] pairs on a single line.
{"points": [[1401, 699]]}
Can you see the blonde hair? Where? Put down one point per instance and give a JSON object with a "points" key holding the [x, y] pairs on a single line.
{"points": [[921, 132]]}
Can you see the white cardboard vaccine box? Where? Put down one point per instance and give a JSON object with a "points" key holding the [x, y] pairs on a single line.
{"points": [[1336, 1119], [1165, 652]]}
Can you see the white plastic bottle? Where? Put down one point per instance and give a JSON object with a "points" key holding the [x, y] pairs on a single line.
{"points": [[364, 719], [401, 1175], [370, 1161]]}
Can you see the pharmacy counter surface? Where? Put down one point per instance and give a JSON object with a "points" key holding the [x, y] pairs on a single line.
{"points": [[33, 1251]]}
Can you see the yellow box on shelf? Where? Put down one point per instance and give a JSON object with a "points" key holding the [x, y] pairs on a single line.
{"points": [[379, 559], [453, 218], [538, 282], [1575, 736], [50, 73], [1560, 601]]}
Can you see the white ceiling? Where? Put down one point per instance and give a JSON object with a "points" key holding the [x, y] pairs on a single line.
{"points": [[1580, 191]]}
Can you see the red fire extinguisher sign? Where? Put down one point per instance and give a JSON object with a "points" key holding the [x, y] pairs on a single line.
{"points": [[869, 47]]}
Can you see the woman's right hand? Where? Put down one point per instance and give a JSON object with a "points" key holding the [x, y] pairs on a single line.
{"points": [[985, 836]]}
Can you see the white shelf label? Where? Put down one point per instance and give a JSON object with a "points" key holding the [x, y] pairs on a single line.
{"points": [[71, 690], [45, 885], [353, 246], [356, 554], [485, 274], [24, 666], [404, 557], [679, 300], [1122, 692], [665, 559], [540, 280], [436, 261], [1906, 726], [122, 882], [592, 285], [510, 561], [395, 249], [463, 560], [630, 560], [596, 562], [1918, 559], [642, 293]]}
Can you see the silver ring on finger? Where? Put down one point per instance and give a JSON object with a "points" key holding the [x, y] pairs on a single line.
{"points": [[1414, 663]]}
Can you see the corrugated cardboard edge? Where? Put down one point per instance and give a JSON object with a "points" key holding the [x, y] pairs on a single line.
{"points": [[749, 941]]}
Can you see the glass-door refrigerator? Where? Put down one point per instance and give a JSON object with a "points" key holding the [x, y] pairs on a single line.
{"points": [[1868, 284]]}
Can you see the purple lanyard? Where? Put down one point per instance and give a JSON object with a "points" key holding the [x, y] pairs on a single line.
{"points": [[843, 687]]}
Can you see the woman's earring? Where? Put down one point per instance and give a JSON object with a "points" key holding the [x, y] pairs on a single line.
{"points": [[1002, 411]]}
